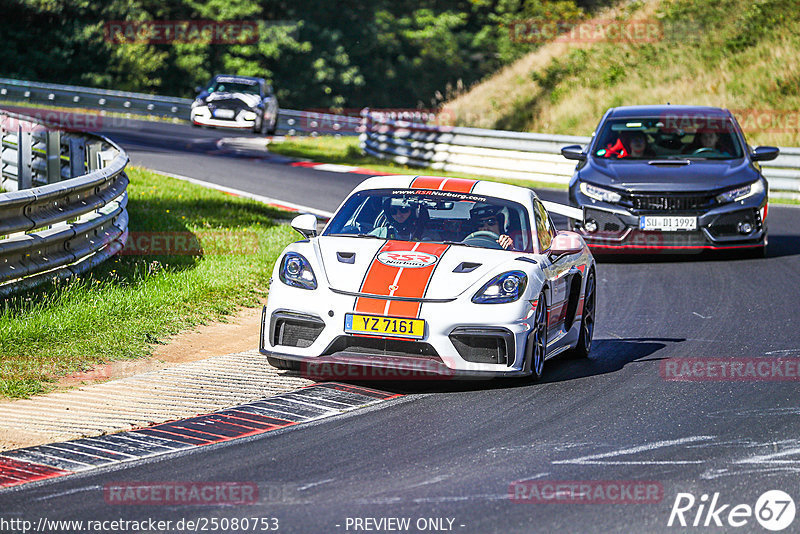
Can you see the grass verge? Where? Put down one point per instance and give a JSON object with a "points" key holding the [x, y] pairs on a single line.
{"points": [[124, 306]]}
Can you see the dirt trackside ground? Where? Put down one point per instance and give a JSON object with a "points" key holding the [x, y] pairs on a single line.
{"points": [[212, 367]]}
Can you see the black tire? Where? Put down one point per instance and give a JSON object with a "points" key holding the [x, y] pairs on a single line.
{"points": [[536, 348], [274, 127], [285, 365], [587, 320]]}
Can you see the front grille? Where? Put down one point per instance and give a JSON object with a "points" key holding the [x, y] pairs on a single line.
{"points": [[482, 346], [295, 330], [382, 347], [234, 104], [670, 202]]}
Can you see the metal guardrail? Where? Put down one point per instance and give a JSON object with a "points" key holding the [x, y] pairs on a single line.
{"points": [[406, 140], [520, 155], [294, 122], [87, 97], [64, 209], [290, 121]]}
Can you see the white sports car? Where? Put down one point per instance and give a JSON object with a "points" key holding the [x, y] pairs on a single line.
{"points": [[431, 276]]}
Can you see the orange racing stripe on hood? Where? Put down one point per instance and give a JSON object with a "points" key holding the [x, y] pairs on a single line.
{"points": [[454, 185], [410, 282]]}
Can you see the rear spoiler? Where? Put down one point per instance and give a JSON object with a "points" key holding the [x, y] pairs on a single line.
{"points": [[561, 209]]}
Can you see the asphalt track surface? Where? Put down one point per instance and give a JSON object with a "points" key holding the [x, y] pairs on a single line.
{"points": [[452, 449]]}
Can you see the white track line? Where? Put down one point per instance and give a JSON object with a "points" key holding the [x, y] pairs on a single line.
{"points": [[245, 194], [598, 459]]}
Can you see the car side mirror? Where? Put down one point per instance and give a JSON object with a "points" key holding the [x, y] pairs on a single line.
{"points": [[765, 153], [566, 243], [306, 224], [573, 152]]}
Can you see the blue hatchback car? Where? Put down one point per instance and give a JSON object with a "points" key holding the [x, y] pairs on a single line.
{"points": [[670, 179]]}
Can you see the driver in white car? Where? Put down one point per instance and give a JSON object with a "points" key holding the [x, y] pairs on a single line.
{"points": [[400, 220], [490, 219]]}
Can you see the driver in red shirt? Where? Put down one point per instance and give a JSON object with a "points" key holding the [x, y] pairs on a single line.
{"points": [[630, 144]]}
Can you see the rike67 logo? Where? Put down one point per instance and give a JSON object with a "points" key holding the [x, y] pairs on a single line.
{"points": [[774, 510]]}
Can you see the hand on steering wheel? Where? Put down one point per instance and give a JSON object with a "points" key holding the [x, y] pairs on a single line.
{"points": [[489, 239], [506, 242], [482, 233], [482, 238]]}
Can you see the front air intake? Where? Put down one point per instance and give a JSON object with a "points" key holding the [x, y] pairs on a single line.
{"points": [[480, 345], [295, 330]]}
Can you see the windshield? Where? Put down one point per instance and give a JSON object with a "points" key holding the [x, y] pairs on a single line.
{"points": [[668, 137], [435, 216], [233, 85]]}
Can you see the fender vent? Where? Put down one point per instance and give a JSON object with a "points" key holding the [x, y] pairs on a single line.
{"points": [[466, 267], [572, 303]]}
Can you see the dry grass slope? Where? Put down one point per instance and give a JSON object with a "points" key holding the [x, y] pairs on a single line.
{"points": [[738, 54]]}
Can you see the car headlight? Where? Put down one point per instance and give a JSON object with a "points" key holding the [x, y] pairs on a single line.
{"points": [[741, 193], [598, 193], [506, 287], [295, 271], [249, 116], [198, 102]]}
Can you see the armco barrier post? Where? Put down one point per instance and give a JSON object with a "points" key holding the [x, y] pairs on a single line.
{"points": [[53, 151], [24, 157], [77, 158], [93, 149]]}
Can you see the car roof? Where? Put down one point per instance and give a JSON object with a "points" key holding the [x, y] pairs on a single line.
{"points": [[657, 111], [443, 183]]}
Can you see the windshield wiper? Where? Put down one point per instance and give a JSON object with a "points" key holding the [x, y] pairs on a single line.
{"points": [[460, 243], [356, 235]]}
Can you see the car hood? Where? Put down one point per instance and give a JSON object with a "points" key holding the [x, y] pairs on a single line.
{"points": [[248, 99], [697, 176], [448, 271]]}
